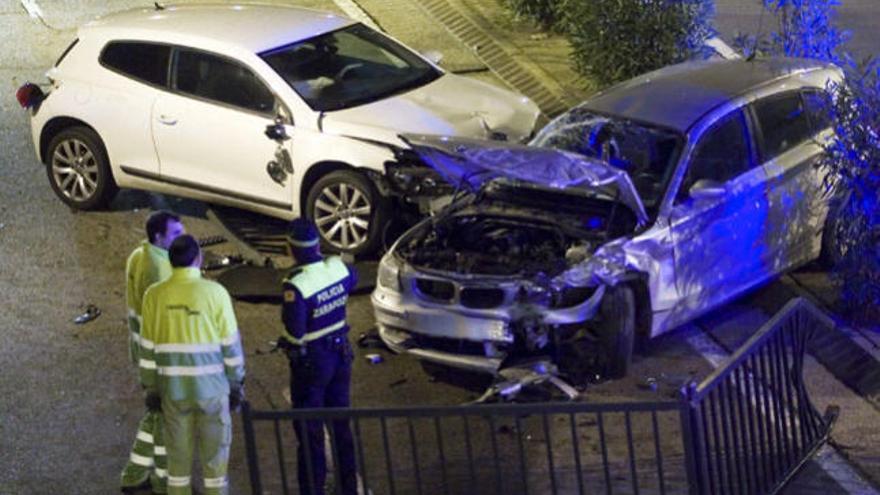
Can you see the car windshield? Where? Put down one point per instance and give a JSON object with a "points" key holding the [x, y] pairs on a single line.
{"points": [[349, 67], [648, 154]]}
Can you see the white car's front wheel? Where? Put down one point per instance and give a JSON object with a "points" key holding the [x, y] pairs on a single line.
{"points": [[78, 169], [348, 211]]}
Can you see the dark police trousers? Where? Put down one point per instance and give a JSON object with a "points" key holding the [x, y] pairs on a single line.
{"points": [[322, 378]]}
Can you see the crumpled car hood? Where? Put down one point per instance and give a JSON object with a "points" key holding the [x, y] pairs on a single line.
{"points": [[452, 105], [474, 162]]}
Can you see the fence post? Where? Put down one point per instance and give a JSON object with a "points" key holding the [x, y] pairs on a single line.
{"points": [[250, 448], [690, 433]]}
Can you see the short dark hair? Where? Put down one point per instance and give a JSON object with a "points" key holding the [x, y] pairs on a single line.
{"points": [[157, 223], [183, 251]]}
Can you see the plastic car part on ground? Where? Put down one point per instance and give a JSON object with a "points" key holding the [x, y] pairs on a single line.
{"points": [[88, 315], [515, 378]]}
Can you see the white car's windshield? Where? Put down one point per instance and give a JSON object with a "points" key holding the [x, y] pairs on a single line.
{"points": [[348, 67], [647, 154]]}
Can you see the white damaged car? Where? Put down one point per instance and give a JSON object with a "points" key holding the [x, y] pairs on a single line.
{"points": [[282, 110], [631, 214]]}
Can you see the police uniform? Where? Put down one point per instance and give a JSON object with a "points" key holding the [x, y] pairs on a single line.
{"points": [[191, 357], [146, 265], [316, 339]]}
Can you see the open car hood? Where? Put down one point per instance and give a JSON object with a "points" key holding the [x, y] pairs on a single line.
{"points": [[474, 162]]}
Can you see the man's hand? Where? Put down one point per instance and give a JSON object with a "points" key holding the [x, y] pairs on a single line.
{"points": [[153, 402], [236, 395]]}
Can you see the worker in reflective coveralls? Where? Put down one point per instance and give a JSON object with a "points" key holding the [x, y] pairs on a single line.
{"points": [[316, 342], [191, 363], [146, 265]]}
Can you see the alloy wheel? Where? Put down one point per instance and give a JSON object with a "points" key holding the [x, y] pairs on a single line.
{"points": [[75, 170], [342, 214]]}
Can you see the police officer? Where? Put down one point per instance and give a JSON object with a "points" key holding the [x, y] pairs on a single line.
{"points": [[316, 342], [191, 363], [146, 265]]}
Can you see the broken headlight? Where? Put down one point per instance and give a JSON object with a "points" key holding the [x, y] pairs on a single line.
{"points": [[388, 276]]}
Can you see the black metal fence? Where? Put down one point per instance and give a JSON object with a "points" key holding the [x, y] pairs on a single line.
{"points": [[746, 428]]}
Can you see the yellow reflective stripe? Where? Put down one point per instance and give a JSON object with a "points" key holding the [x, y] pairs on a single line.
{"points": [[148, 364], [228, 341], [178, 480], [187, 348], [233, 361], [140, 460], [190, 370], [159, 450], [317, 334], [145, 437], [215, 482]]}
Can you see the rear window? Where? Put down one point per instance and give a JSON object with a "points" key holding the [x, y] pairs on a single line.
{"points": [[66, 51], [147, 62]]}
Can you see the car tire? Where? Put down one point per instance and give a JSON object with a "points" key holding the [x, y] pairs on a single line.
{"points": [[78, 169], [349, 212], [616, 329], [832, 251]]}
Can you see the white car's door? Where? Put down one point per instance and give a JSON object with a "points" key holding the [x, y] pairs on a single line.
{"points": [[210, 131], [789, 153], [720, 233]]}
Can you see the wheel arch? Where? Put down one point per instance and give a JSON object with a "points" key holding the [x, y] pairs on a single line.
{"points": [[638, 282], [313, 174], [57, 124]]}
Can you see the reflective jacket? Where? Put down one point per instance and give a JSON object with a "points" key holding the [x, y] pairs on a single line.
{"points": [[146, 265], [190, 347], [314, 300]]}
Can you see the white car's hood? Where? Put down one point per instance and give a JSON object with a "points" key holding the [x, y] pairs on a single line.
{"points": [[451, 105]]}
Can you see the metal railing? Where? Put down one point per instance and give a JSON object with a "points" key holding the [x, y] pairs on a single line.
{"points": [[751, 424], [746, 428]]}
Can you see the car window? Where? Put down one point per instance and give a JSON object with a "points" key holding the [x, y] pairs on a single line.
{"points": [[219, 79], [817, 104], [146, 62], [722, 153], [784, 124]]}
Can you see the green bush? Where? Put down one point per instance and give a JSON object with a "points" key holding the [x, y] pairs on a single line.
{"points": [[545, 13], [614, 40]]}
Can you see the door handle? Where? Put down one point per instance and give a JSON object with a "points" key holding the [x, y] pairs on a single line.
{"points": [[167, 120]]}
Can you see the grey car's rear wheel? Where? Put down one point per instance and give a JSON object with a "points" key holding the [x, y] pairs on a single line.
{"points": [[348, 211], [78, 169], [616, 329]]}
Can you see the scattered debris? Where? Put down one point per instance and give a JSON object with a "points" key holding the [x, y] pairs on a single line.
{"points": [[515, 378], [88, 315], [538, 37], [273, 346], [2, 226], [397, 382], [370, 340], [650, 383], [211, 240], [217, 262], [373, 358]]}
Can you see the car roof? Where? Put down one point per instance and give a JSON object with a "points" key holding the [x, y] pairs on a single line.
{"points": [[254, 27], [678, 96]]}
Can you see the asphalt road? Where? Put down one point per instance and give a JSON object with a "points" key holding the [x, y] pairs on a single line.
{"points": [[69, 400]]}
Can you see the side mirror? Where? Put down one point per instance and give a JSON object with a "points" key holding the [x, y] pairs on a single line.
{"points": [[276, 131], [433, 56], [707, 189]]}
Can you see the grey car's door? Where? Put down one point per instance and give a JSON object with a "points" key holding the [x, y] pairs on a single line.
{"points": [[786, 132], [718, 218]]}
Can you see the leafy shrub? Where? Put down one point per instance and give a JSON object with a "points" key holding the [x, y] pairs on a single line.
{"points": [[853, 158], [545, 13], [614, 40], [807, 29]]}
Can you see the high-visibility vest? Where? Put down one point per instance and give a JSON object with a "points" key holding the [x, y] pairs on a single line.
{"points": [[190, 346], [324, 285], [145, 266]]}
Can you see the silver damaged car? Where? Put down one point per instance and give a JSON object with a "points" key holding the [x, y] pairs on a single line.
{"points": [[627, 216]]}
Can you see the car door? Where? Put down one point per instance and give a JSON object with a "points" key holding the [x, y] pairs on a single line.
{"points": [[788, 150], [718, 217], [123, 104], [210, 131]]}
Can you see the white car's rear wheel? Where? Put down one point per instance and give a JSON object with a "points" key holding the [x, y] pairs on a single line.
{"points": [[348, 211], [78, 169]]}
